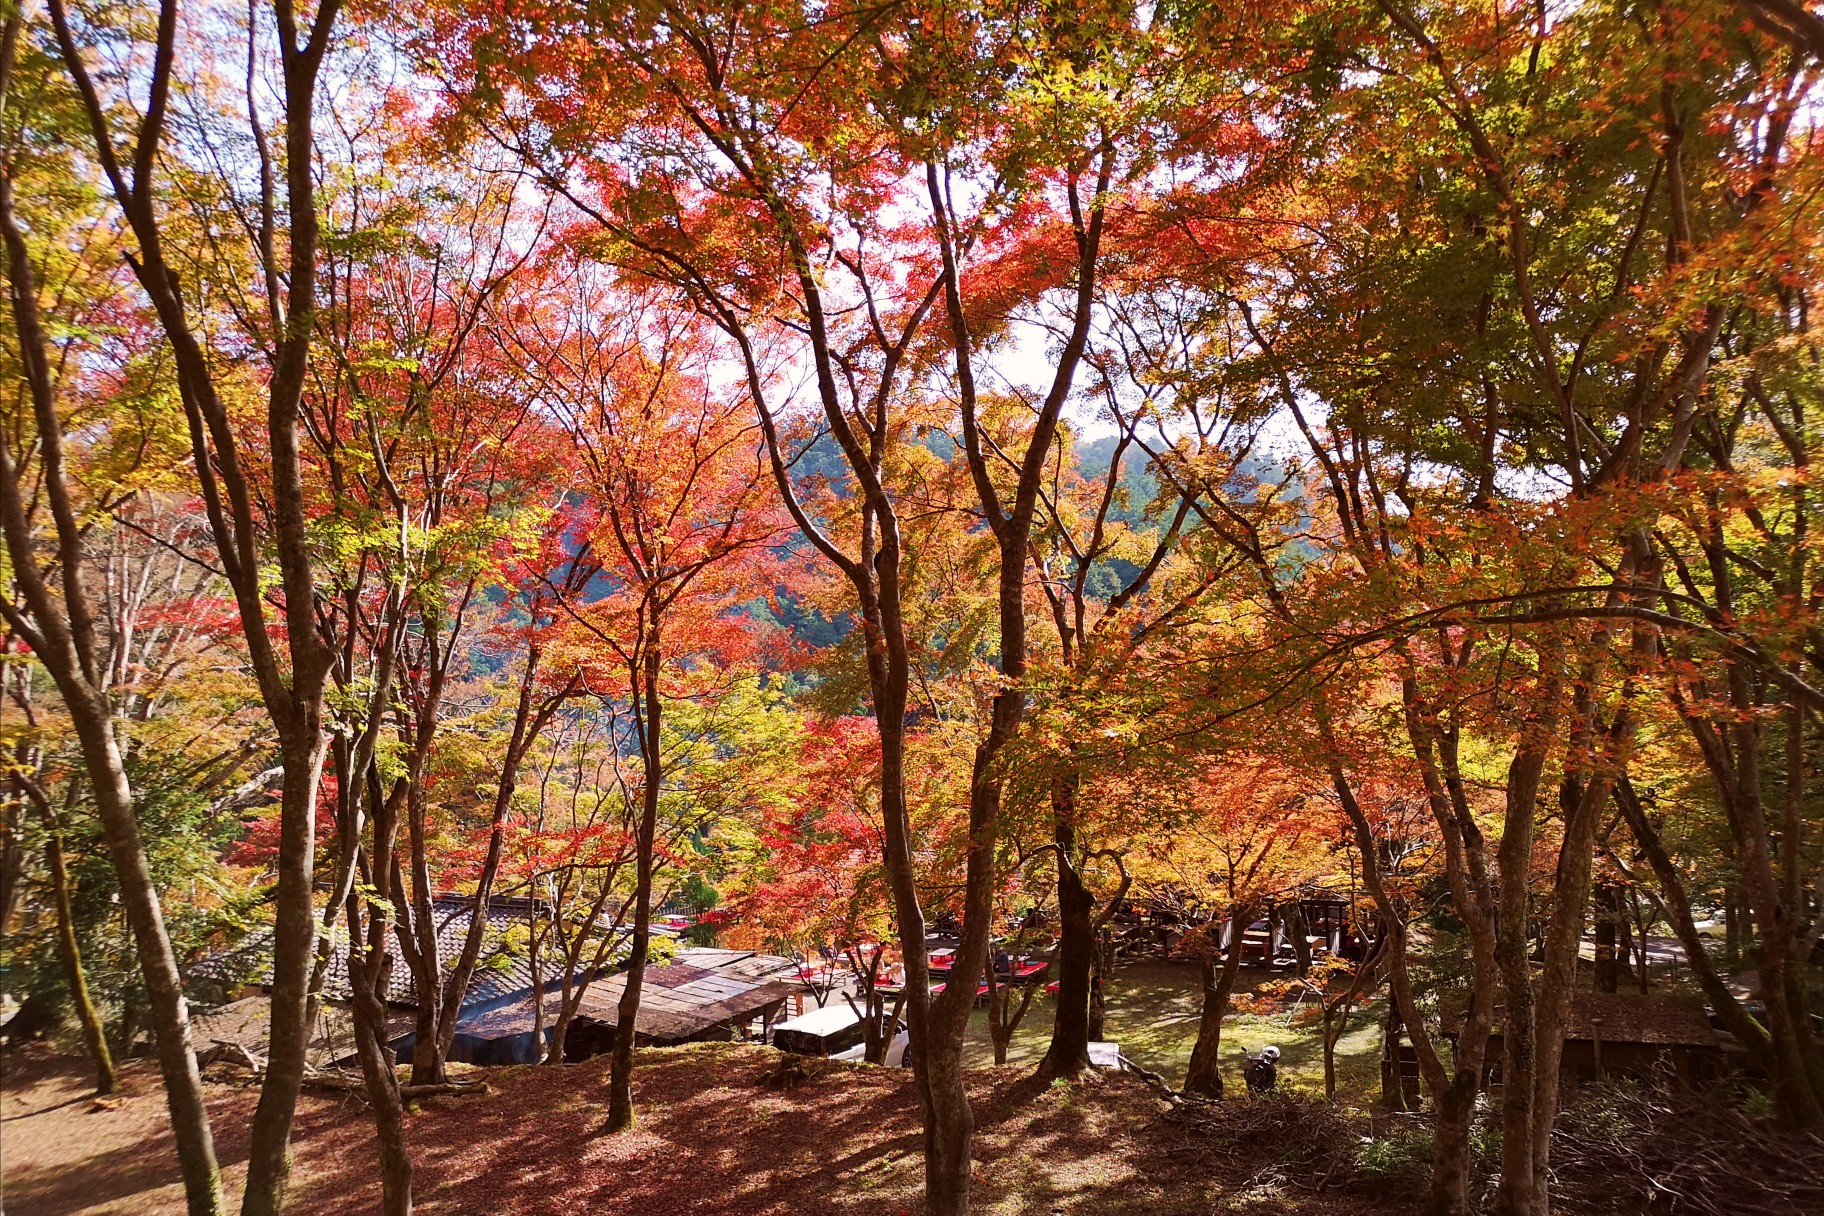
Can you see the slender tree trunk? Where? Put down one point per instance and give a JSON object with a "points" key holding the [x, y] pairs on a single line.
{"points": [[1677, 904], [294, 942], [1402, 1008], [570, 956], [1784, 943], [530, 717], [1006, 1012], [888, 679], [94, 1035], [425, 957], [1557, 979], [1519, 1062], [12, 842], [65, 641], [874, 1036], [1454, 1105], [1798, 1079], [158, 966], [352, 758], [1204, 1077], [1608, 958], [294, 698], [536, 966], [949, 1126], [348, 837], [1791, 1035], [620, 1070], [440, 995], [1453, 1094], [998, 1031], [1336, 1015], [1733, 752], [367, 979], [389, 1113], [1452, 1116], [877, 1032], [1332, 1032], [370, 965], [1068, 1053], [1300, 934]]}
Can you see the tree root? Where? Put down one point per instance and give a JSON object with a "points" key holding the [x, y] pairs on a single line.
{"points": [[353, 1083], [1158, 1085]]}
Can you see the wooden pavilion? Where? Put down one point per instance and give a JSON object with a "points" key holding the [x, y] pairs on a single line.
{"points": [[1642, 1037]]}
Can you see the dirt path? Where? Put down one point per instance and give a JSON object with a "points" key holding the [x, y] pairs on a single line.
{"points": [[711, 1140], [62, 1151]]}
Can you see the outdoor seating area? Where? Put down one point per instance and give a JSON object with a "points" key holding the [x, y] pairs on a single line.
{"points": [[1139, 928]]}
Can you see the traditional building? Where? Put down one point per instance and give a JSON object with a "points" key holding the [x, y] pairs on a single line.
{"points": [[702, 993]]}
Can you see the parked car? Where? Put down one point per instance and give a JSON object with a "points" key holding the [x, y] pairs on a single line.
{"points": [[828, 1031]]}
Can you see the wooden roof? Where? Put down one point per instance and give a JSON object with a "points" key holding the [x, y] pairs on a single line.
{"points": [[744, 963], [247, 1023], [678, 1001]]}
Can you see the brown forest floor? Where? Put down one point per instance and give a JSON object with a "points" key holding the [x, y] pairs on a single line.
{"points": [[711, 1139]]}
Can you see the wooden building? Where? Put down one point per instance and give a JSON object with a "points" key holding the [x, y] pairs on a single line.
{"points": [[1646, 1038], [702, 994], [230, 987], [239, 1031]]}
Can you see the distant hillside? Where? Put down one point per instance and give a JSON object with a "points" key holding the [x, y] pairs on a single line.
{"points": [[1137, 479]]}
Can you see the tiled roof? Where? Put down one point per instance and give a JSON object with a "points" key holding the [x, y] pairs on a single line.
{"points": [[498, 973]]}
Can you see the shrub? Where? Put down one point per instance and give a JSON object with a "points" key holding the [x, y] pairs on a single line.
{"points": [[1399, 1159]]}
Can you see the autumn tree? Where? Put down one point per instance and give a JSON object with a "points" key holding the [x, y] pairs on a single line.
{"points": [[1242, 834], [51, 491], [1543, 358], [250, 473], [572, 851], [1135, 551], [426, 439], [672, 528]]}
